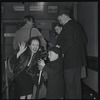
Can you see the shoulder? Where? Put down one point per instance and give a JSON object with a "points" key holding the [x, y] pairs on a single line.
{"points": [[70, 26], [36, 31], [21, 30], [73, 23], [70, 23]]}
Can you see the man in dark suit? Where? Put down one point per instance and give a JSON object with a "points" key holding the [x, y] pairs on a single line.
{"points": [[71, 40]]}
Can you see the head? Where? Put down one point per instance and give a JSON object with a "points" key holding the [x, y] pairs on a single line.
{"points": [[34, 44], [63, 18], [58, 29], [28, 19], [53, 53]]}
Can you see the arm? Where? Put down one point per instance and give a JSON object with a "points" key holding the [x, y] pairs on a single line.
{"points": [[12, 62], [16, 56], [66, 40], [22, 48], [50, 70], [15, 59]]}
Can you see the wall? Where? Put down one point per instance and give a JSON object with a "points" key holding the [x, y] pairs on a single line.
{"points": [[92, 80], [87, 16], [11, 20], [10, 14]]}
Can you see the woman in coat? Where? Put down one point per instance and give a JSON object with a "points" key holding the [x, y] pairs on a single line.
{"points": [[24, 64]]}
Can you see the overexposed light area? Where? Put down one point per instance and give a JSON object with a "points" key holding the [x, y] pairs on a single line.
{"points": [[36, 8], [40, 3], [19, 8]]}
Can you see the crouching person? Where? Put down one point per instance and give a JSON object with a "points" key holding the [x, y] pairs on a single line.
{"points": [[54, 69]]}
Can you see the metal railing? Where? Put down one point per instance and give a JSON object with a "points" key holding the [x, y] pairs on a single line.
{"points": [[6, 87]]}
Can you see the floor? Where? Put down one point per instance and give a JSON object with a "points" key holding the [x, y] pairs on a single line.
{"points": [[87, 93]]}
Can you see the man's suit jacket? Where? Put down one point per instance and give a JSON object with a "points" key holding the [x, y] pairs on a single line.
{"points": [[72, 41]]}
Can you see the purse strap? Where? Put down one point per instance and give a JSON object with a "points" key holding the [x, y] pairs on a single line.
{"points": [[30, 33], [31, 30]]}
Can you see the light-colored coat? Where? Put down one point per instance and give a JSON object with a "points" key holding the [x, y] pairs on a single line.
{"points": [[23, 34]]}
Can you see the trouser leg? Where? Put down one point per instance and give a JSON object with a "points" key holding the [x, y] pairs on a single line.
{"points": [[72, 83]]}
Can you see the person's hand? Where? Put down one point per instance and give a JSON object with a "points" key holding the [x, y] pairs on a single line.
{"points": [[40, 67], [58, 46], [41, 62], [22, 46]]}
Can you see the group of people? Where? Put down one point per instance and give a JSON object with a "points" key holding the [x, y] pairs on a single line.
{"points": [[65, 59]]}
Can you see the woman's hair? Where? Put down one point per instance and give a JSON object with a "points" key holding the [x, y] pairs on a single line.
{"points": [[33, 38], [28, 51]]}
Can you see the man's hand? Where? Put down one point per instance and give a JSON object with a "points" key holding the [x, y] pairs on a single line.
{"points": [[58, 46]]}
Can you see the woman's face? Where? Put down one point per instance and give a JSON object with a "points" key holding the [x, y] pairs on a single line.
{"points": [[34, 46], [58, 29]]}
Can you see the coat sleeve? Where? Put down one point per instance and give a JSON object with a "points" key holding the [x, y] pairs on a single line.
{"points": [[52, 70], [66, 40], [13, 61]]}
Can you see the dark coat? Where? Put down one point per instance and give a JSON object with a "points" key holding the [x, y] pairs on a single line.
{"points": [[55, 86], [72, 41], [18, 65]]}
